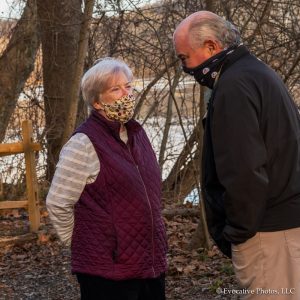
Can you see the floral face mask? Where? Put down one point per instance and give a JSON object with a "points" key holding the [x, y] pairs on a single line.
{"points": [[121, 110]]}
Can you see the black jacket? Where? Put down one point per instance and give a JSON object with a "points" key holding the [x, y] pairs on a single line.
{"points": [[251, 155]]}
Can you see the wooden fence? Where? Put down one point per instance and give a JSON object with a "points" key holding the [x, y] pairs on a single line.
{"points": [[28, 148]]}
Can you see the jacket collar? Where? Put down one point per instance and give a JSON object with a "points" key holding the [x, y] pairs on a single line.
{"points": [[113, 127], [235, 56]]}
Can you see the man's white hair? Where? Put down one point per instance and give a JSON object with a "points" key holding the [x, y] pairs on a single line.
{"points": [[213, 28]]}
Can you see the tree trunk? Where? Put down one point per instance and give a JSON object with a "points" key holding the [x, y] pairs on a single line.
{"points": [[169, 115], [185, 173], [17, 63], [201, 236], [75, 87], [60, 23], [181, 212], [186, 176]]}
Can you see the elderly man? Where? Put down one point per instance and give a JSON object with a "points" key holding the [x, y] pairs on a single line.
{"points": [[251, 157]]}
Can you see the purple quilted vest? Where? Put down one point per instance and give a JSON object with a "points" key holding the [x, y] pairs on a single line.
{"points": [[119, 233]]}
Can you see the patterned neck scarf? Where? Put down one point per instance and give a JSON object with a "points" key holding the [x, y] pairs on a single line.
{"points": [[207, 72]]}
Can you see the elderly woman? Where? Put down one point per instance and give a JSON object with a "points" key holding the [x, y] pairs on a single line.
{"points": [[105, 195]]}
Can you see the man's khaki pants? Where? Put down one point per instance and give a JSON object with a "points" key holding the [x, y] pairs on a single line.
{"points": [[267, 266]]}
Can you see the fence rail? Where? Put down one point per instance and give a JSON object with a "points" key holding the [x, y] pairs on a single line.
{"points": [[28, 148]]}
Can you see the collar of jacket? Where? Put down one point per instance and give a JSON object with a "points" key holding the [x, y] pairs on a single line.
{"points": [[235, 56], [113, 127]]}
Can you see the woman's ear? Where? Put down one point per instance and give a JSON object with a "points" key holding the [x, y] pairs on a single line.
{"points": [[97, 105]]}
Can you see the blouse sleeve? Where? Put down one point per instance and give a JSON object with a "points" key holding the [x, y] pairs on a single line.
{"points": [[78, 165]]}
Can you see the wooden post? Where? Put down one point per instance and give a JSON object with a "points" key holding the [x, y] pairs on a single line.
{"points": [[1, 186], [31, 177]]}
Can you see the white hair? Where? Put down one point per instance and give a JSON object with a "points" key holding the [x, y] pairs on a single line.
{"points": [[215, 28], [96, 80]]}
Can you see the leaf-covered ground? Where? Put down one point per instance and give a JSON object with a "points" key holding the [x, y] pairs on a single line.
{"points": [[40, 268]]}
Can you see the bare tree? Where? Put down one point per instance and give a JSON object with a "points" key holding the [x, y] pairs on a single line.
{"points": [[17, 63], [60, 23], [72, 105]]}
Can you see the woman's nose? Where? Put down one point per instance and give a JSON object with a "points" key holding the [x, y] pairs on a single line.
{"points": [[125, 91]]}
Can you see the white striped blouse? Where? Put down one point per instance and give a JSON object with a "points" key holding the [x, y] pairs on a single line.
{"points": [[78, 165]]}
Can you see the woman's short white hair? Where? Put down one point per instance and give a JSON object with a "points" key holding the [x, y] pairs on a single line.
{"points": [[97, 79]]}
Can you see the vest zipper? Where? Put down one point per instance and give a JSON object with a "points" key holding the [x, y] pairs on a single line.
{"points": [[148, 200]]}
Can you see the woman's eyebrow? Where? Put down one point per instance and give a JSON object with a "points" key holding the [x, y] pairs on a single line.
{"points": [[117, 85]]}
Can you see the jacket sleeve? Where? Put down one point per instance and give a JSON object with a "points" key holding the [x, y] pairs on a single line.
{"points": [[240, 157]]}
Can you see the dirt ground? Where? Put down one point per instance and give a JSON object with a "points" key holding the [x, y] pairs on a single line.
{"points": [[38, 266]]}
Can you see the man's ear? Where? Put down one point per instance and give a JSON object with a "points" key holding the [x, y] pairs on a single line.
{"points": [[213, 47]]}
